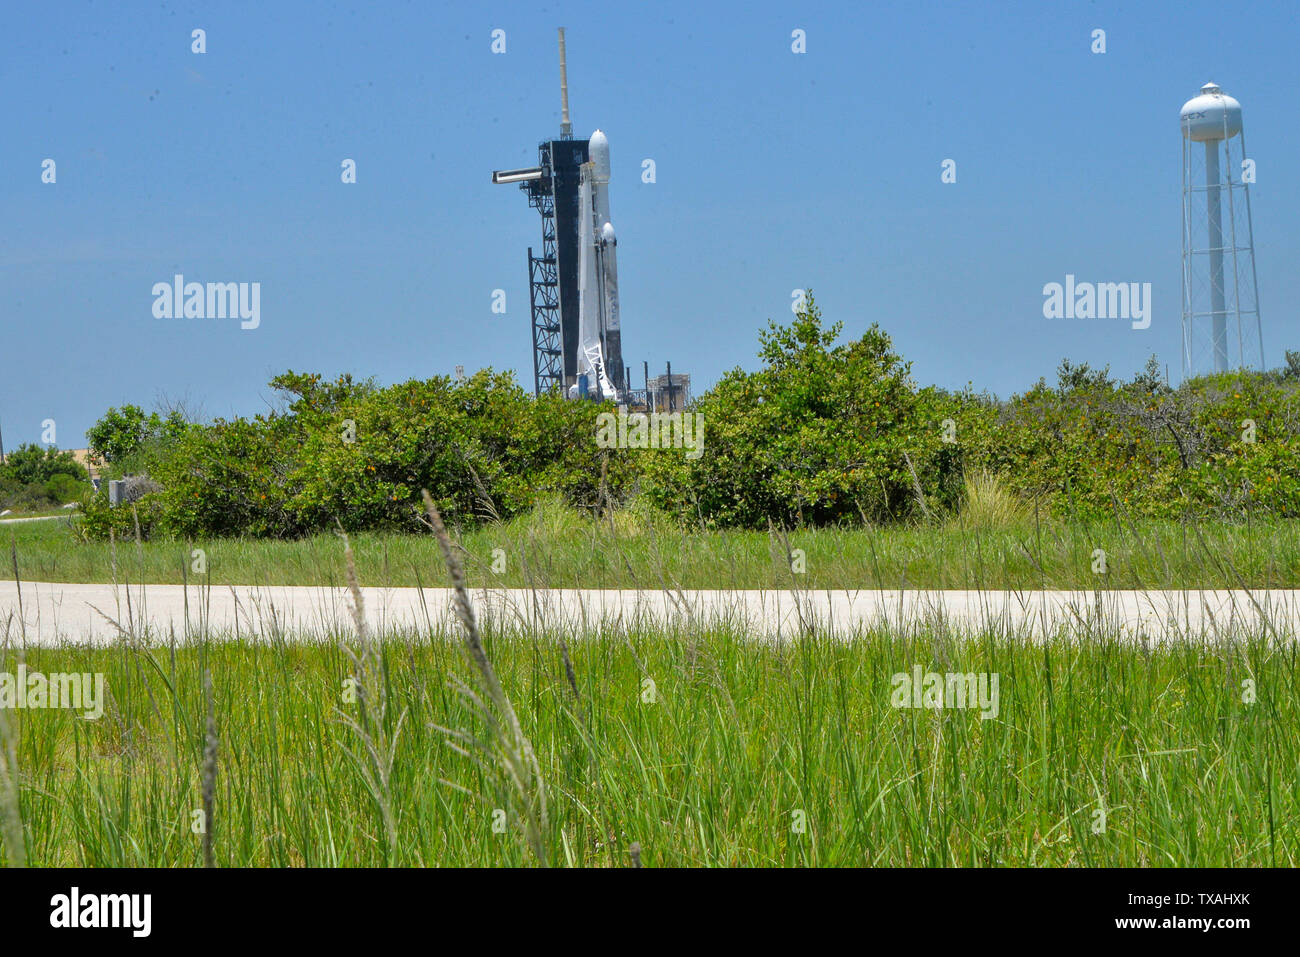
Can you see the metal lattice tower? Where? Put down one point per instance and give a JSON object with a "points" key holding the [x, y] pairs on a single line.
{"points": [[544, 292], [553, 190], [1221, 324]]}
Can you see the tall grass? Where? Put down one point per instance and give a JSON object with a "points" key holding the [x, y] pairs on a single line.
{"points": [[990, 546], [373, 752], [709, 770], [667, 746], [989, 504], [13, 842], [503, 749]]}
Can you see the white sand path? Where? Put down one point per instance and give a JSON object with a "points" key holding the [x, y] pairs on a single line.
{"points": [[56, 612]]}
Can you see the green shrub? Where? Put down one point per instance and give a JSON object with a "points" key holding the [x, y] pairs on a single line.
{"points": [[129, 440], [33, 478], [63, 488], [822, 434], [231, 478], [30, 464], [1092, 447], [96, 519], [358, 455]]}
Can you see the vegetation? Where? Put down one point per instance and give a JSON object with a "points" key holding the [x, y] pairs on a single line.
{"points": [[694, 745], [699, 748], [1222, 445], [823, 434], [687, 746], [130, 437], [992, 543], [37, 479]]}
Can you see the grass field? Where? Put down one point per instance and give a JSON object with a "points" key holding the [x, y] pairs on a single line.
{"points": [[711, 765], [685, 747], [554, 547]]}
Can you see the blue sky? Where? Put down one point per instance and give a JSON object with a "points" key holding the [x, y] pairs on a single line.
{"points": [[775, 171]]}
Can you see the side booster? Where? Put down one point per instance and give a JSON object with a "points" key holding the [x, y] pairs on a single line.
{"points": [[600, 347]]}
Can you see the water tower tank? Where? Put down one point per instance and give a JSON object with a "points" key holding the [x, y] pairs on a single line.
{"points": [[1211, 116]]}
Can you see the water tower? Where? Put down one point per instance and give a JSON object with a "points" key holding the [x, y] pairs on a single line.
{"points": [[1221, 328]]}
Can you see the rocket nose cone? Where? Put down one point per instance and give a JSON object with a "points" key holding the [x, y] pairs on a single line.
{"points": [[598, 150]]}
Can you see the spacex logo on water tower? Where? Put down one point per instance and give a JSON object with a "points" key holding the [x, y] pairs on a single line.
{"points": [[1221, 327]]}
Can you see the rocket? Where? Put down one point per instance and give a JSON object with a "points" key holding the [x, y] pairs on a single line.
{"points": [[573, 284], [600, 348], [599, 151]]}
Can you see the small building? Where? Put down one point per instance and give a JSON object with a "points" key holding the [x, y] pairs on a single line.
{"points": [[93, 464], [670, 392]]}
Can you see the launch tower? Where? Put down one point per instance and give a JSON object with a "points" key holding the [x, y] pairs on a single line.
{"points": [[573, 284]]}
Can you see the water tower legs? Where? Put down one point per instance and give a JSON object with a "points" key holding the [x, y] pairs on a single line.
{"points": [[1214, 210]]}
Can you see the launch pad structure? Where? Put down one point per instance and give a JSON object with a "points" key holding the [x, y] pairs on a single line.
{"points": [[573, 284], [552, 278]]}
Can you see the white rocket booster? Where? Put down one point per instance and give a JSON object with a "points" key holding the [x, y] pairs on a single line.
{"points": [[600, 336], [591, 352], [599, 152]]}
